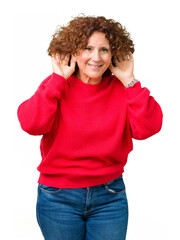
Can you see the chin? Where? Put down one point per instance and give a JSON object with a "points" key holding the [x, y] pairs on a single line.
{"points": [[95, 75]]}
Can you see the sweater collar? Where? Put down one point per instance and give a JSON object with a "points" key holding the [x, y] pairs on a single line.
{"points": [[74, 81]]}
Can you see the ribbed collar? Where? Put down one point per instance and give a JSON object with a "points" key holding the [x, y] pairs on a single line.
{"points": [[74, 81]]}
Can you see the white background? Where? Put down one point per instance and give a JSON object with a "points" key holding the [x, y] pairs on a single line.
{"points": [[152, 173]]}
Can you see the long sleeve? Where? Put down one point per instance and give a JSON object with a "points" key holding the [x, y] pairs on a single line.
{"points": [[37, 114], [145, 114], [87, 128]]}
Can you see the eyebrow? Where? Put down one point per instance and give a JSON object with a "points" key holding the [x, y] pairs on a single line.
{"points": [[100, 47]]}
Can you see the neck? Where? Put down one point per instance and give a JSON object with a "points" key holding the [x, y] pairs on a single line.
{"points": [[89, 80]]}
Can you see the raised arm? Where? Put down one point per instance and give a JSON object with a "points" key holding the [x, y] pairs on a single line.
{"points": [[37, 114], [145, 114]]}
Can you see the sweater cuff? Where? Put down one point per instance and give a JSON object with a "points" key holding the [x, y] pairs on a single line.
{"points": [[56, 82], [55, 85], [133, 91]]}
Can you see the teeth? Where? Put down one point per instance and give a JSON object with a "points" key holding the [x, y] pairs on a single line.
{"points": [[91, 65]]}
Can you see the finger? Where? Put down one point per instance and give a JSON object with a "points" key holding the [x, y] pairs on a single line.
{"points": [[53, 59], [126, 57], [53, 56], [130, 55], [115, 60], [73, 58], [66, 59], [120, 58], [73, 61], [57, 56]]}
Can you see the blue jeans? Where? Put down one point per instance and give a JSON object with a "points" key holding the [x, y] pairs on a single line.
{"points": [[94, 213]]}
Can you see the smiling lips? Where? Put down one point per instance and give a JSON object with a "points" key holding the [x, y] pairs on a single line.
{"points": [[94, 66]]}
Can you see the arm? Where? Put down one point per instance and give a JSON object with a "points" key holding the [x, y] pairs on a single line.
{"points": [[145, 114], [37, 114]]}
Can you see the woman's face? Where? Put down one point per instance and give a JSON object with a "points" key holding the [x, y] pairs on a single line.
{"points": [[94, 60]]}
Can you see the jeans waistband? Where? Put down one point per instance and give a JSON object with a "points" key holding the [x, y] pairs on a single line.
{"points": [[101, 185]]}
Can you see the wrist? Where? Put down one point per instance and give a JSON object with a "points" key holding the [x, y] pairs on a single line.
{"points": [[131, 84], [127, 81], [60, 74]]}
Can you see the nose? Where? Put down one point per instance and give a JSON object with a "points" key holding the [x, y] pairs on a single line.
{"points": [[96, 56]]}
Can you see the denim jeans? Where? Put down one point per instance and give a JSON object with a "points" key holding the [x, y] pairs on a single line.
{"points": [[94, 213]]}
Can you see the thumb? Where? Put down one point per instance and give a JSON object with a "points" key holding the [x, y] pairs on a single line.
{"points": [[73, 61]]}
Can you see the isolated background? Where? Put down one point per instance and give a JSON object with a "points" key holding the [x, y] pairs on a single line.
{"points": [[152, 173]]}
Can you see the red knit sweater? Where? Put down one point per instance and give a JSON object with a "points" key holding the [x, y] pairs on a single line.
{"points": [[87, 128]]}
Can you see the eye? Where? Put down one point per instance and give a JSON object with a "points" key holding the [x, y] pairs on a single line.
{"points": [[104, 49], [88, 48]]}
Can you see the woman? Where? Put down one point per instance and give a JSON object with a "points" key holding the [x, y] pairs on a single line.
{"points": [[88, 110]]}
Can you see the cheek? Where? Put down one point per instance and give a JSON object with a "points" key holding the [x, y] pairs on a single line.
{"points": [[82, 59], [108, 60]]}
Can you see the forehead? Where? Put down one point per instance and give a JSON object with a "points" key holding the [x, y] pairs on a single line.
{"points": [[98, 39]]}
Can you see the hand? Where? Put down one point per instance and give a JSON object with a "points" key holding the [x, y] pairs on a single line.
{"points": [[124, 69], [60, 65]]}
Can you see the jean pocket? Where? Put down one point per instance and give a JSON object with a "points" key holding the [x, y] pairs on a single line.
{"points": [[115, 187], [49, 189]]}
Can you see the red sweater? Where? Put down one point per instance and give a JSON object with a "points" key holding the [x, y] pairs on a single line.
{"points": [[87, 128]]}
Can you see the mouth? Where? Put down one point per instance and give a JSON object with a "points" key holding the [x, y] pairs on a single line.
{"points": [[94, 66]]}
